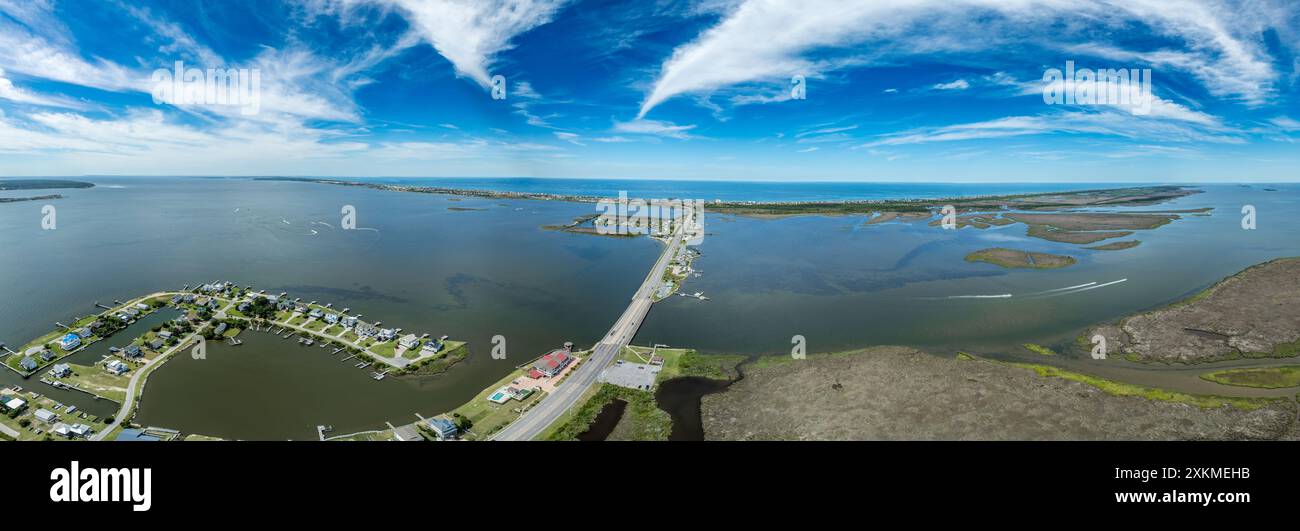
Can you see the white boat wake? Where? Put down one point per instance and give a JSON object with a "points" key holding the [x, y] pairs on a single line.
{"points": [[1080, 290], [1063, 289], [1002, 296]]}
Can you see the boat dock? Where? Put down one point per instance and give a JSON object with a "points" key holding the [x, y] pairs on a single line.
{"points": [[322, 429], [379, 375]]}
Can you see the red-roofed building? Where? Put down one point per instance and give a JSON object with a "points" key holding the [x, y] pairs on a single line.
{"points": [[551, 363]]}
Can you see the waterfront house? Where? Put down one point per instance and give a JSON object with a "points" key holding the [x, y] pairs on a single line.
{"points": [[165, 334], [84, 332], [95, 325], [176, 299], [156, 344], [553, 362], [221, 329], [431, 347], [408, 341], [349, 321], [332, 318], [28, 363], [132, 351], [116, 367], [12, 403], [70, 341], [315, 313], [141, 306], [443, 429], [189, 298], [61, 370], [71, 431], [47, 355], [45, 415], [386, 334]]}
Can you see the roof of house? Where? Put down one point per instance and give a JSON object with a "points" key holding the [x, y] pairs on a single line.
{"points": [[552, 360], [442, 426], [27, 363], [132, 434]]}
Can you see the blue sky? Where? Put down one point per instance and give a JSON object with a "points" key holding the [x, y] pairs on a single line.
{"points": [[919, 90]]}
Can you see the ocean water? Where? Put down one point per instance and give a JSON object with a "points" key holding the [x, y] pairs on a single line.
{"points": [[474, 267]]}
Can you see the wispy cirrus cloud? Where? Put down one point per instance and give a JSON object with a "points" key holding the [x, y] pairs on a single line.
{"points": [[767, 41], [470, 33], [654, 127]]}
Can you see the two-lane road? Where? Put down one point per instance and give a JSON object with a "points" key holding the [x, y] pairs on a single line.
{"points": [[546, 412]]}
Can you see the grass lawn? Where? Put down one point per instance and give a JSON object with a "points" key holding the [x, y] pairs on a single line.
{"points": [[316, 325], [387, 349], [350, 337], [98, 381], [333, 330], [488, 418], [680, 362]]}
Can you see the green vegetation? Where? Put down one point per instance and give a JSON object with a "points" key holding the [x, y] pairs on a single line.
{"points": [[1122, 389], [1013, 259], [486, 418], [1116, 246], [1259, 377], [453, 352], [647, 421], [98, 382], [962, 356], [1039, 349]]}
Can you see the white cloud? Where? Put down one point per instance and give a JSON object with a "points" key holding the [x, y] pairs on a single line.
{"points": [[1102, 121], [960, 84], [654, 127], [767, 41], [470, 33], [572, 138]]}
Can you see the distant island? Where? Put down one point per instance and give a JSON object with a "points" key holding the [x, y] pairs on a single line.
{"points": [[42, 184], [38, 184]]}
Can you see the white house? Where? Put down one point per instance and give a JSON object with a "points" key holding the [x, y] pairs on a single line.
{"points": [[408, 341], [13, 403], [45, 415], [117, 367], [61, 370]]}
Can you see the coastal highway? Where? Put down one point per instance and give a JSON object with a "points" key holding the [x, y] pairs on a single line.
{"points": [[535, 421]]}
